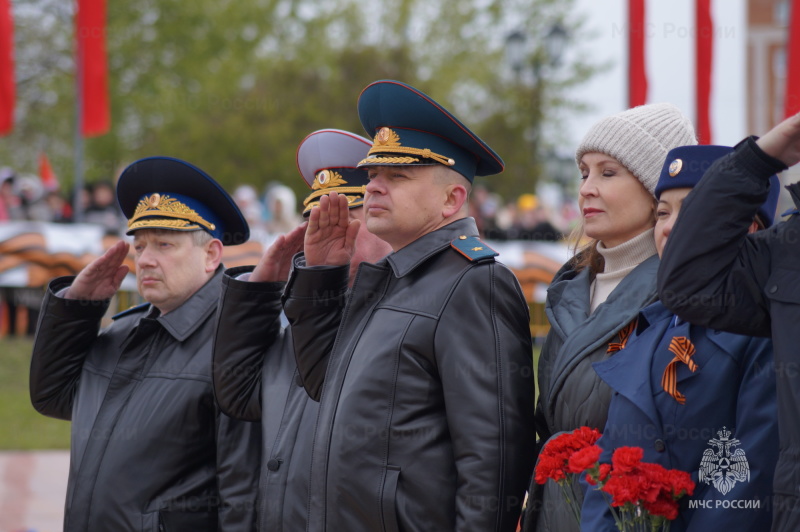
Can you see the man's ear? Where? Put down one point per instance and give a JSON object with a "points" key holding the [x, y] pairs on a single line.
{"points": [[213, 255], [455, 198]]}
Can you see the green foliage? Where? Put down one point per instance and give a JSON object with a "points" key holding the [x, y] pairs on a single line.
{"points": [[23, 427], [234, 86]]}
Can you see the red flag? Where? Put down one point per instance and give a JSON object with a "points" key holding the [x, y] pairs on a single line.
{"points": [[7, 87], [637, 74], [93, 67], [704, 56], [46, 173], [791, 104]]}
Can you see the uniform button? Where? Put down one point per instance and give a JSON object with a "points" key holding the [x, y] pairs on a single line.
{"points": [[660, 445], [273, 465], [298, 380], [773, 289]]}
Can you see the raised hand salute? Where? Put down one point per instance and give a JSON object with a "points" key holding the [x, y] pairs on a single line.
{"points": [[102, 277], [276, 262], [331, 234], [783, 141]]}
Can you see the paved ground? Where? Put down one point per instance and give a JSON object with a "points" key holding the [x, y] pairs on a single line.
{"points": [[32, 490]]}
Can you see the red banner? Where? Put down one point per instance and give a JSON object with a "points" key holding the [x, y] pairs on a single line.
{"points": [[7, 87], [46, 173], [704, 56], [637, 73], [93, 67], [792, 98]]}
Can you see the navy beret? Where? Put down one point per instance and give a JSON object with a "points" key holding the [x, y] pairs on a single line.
{"points": [[686, 165]]}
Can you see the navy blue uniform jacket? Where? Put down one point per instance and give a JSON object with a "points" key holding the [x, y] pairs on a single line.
{"points": [[732, 389]]}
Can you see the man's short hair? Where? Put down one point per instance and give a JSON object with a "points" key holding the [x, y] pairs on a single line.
{"points": [[448, 176], [201, 238]]}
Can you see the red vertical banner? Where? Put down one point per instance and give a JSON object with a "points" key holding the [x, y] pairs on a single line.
{"points": [[704, 58], [7, 87], [791, 103], [637, 73], [93, 67]]}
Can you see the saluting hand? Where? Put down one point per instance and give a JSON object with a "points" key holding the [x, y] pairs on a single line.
{"points": [[276, 262], [331, 235], [783, 141], [102, 277]]}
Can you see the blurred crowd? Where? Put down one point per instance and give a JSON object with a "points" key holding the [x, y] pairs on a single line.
{"points": [[527, 217], [25, 197]]}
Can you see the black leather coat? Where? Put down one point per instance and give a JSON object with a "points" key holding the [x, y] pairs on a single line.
{"points": [[426, 414], [150, 450], [256, 379]]}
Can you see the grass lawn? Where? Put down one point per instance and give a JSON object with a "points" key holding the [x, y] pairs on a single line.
{"points": [[23, 427]]}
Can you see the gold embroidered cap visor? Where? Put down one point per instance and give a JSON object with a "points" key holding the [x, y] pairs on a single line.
{"points": [[350, 182], [167, 193], [410, 128], [327, 160]]}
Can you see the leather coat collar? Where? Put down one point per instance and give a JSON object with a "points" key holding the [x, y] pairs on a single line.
{"points": [[186, 319], [408, 258]]}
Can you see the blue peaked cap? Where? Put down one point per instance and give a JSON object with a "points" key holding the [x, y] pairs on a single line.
{"points": [[167, 193], [685, 166], [410, 128]]}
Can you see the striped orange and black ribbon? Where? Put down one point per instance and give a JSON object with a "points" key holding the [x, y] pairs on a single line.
{"points": [[683, 349], [624, 334]]}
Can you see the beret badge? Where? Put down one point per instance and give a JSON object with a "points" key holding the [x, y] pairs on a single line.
{"points": [[675, 167]]}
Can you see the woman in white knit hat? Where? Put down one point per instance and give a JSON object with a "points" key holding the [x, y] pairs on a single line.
{"points": [[594, 298]]}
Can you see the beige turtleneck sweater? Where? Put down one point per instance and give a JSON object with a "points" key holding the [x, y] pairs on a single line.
{"points": [[620, 261]]}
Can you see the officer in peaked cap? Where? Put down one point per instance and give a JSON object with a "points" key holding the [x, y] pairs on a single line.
{"points": [[428, 380], [184, 465], [327, 161]]}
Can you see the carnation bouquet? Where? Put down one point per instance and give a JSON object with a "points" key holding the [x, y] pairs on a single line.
{"points": [[641, 496]]}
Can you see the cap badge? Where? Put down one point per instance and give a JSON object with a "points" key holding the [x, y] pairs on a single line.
{"points": [[675, 167], [387, 137], [387, 141], [151, 211], [327, 179]]}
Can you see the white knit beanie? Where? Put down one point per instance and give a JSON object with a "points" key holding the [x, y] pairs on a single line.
{"points": [[640, 138]]}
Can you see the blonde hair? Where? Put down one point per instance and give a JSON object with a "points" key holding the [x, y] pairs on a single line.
{"points": [[586, 255]]}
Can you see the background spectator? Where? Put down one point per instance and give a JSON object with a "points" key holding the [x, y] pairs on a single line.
{"points": [[102, 208]]}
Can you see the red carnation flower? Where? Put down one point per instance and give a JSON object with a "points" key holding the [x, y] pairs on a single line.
{"points": [[626, 459], [584, 459]]}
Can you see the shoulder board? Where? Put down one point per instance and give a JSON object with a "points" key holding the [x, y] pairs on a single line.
{"points": [[472, 248], [132, 310]]}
